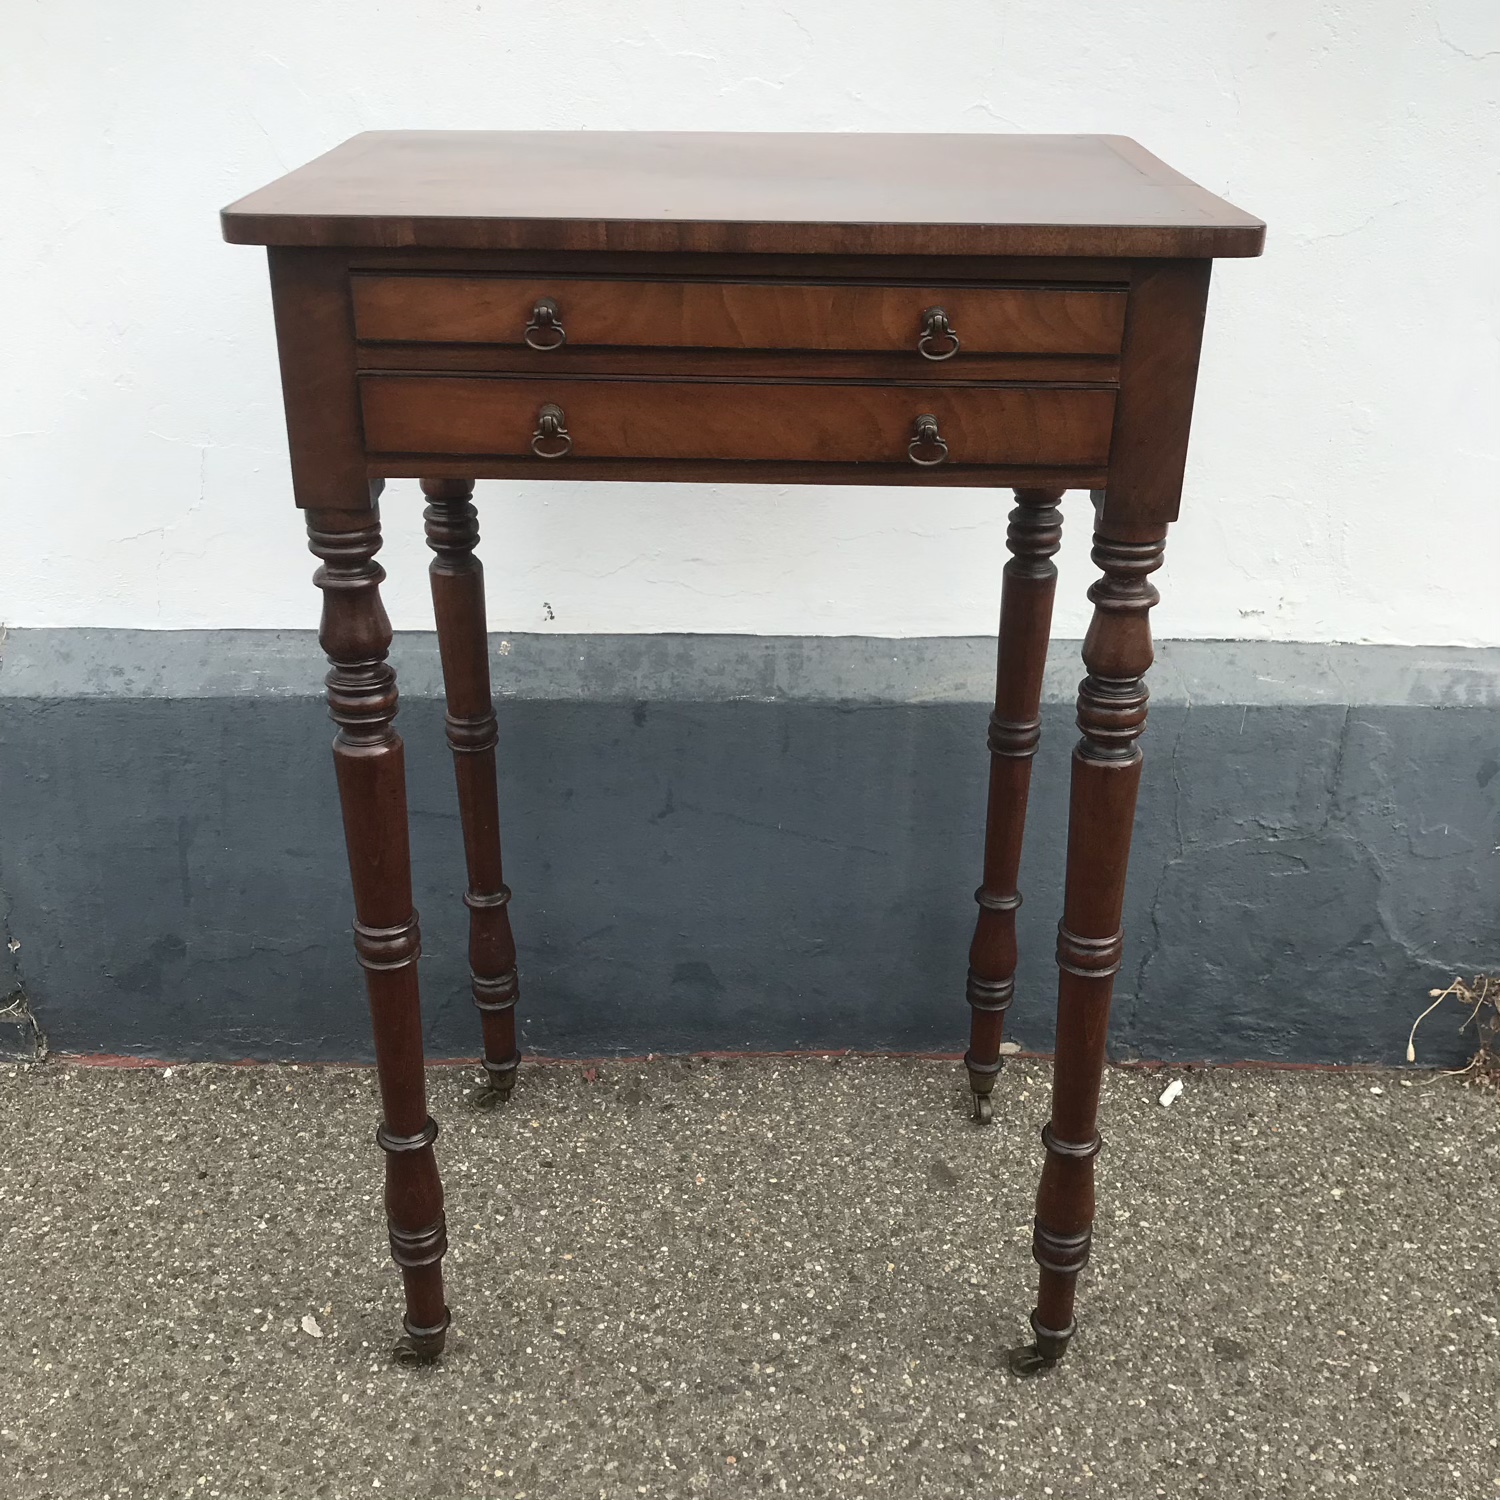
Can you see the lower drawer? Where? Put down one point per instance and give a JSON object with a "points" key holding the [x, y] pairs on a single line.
{"points": [[499, 416]]}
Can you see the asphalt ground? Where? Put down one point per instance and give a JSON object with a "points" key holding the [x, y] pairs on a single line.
{"points": [[741, 1278]]}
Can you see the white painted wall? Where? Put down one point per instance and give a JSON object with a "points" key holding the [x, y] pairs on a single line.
{"points": [[1345, 477]]}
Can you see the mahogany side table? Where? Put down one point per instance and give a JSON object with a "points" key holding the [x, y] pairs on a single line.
{"points": [[1016, 311]]}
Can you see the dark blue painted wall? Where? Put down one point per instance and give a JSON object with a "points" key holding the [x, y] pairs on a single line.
{"points": [[739, 875]]}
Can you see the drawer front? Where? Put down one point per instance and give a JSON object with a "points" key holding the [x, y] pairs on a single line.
{"points": [[735, 315], [497, 416]]}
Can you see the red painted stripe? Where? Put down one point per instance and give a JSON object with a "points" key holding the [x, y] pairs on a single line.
{"points": [[116, 1060]]}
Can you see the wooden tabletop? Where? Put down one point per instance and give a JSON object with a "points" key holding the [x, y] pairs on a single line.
{"points": [[1072, 195]]}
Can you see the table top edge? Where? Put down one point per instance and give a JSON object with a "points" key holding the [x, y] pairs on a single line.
{"points": [[1162, 213], [355, 232]]}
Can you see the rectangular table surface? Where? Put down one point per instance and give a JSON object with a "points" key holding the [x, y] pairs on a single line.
{"points": [[839, 194]]}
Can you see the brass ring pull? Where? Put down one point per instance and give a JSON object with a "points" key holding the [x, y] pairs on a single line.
{"points": [[550, 429], [545, 330], [925, 434], [936, 328]]}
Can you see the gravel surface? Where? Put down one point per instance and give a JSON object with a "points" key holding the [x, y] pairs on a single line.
{"points": [[757, 1277]]}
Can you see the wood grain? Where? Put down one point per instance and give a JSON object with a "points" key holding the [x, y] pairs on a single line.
{"points": [[757, 364], [741, 309], [457, 576], [1158, 383], [742, 471], [858, 265], [369, 759], [839, 194], [1090, 941], [315, 342], [737, 314], [813, 424], [1028, 584]]}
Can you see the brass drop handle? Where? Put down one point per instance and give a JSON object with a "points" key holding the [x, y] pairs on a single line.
{"points": [[925, 434], [938, 339], [545, 330], [550, 431]]}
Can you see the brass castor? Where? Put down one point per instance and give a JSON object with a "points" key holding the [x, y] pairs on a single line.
{"points": [[421, 1346], [982, 1080], [1032, 1359], [500, 1079], [1026, 1360]]}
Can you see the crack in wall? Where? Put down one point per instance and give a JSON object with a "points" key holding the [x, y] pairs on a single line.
{"points": [[1271, 835]]}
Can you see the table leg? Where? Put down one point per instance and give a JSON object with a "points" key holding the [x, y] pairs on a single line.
{"points": [[370, 765], [1106, 775], [463, 642], [1026, 591]]}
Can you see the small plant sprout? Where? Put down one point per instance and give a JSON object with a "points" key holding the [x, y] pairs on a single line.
{"points": [[1482, 995]]}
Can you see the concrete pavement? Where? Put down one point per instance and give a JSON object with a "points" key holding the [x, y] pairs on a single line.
{"points": [[762, 1277]]}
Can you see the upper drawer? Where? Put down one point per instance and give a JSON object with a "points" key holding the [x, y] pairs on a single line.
{"points": [[736, 315]]}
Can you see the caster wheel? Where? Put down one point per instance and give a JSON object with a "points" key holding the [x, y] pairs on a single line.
{"points": [[1027, 1360], [487, 1098], [421, 1346], [983, 1110], [407, 1352], [499, 1080]]}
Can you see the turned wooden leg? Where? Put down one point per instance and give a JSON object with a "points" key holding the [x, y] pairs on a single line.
{"points": [[1106, 775], [368, 758], [463, 641], [1026, 591]]}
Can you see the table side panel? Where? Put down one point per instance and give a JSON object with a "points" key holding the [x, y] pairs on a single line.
{"points": [[315, 344], [1158, 381]]}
